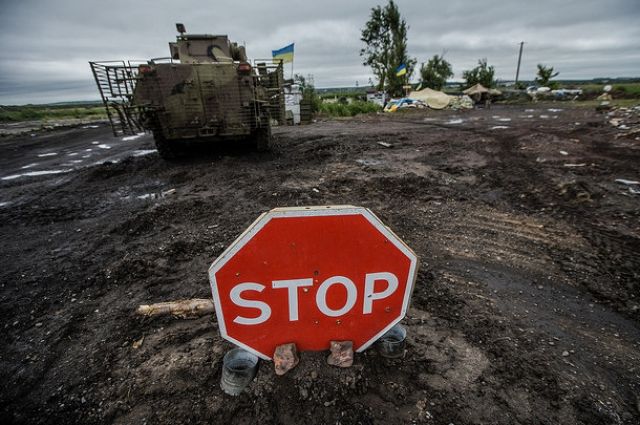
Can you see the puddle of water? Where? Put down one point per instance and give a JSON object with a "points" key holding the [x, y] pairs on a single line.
{"points": [[45, 172], [575, 165], [11, 177], [88, 150], [129, 138], [544, 117], [555, 110], [106, 162], [72, 154], [42, 155], [157, 195], [95, 143], [504, 119], [103, 146], [90, 126], [499, 127], [76, 161], [143, 152], [36, 173], [4, 204], [455, 121], [33, 164]]}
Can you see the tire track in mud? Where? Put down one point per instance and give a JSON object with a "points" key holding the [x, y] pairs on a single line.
{"points": [[522, 242], [540, 194]]}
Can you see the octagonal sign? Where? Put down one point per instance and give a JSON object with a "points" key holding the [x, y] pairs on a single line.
{"points": [[309, 276]]}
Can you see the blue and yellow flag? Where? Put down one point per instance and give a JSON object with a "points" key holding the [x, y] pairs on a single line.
{"points": [[285, 54], [401, 70]]}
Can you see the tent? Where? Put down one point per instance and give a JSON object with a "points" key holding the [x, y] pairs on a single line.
{"points": [[433, 98], [477, 89]]}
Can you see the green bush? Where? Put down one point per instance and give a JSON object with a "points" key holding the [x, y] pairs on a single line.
{"points": [[628, 90], [348, 110]]}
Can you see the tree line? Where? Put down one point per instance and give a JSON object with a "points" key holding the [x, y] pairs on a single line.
{"points": [[385, 51]]}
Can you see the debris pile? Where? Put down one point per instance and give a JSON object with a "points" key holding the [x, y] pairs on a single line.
{"points": [[546, 93], [461, 102], [405, 102], [428, 98], [627, 120]]}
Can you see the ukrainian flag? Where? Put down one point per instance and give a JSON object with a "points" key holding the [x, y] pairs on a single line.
{"points": [[401, 70], [285, 54]]}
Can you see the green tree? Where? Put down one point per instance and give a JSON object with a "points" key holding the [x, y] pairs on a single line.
{"points": [[385, 38], [483, 74], [545, 74], [435, 73]]}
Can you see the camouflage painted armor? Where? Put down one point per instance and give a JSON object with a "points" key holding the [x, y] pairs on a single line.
{"points": [[206, 91]]}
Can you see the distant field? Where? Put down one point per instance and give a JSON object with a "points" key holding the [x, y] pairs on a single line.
{"points": [[625, 90], [49, 112]]}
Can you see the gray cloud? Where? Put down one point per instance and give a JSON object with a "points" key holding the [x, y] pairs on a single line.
{"points": [[46, 45]]}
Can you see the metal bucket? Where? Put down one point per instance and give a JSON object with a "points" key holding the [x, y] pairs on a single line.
{"points": [[391, 344], [239, 367]]}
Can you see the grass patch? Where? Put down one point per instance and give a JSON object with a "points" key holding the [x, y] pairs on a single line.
{"points": [[348, 110], [47, 112], [631, 90]]}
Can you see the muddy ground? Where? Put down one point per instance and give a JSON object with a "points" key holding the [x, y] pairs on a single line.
{"points": [[526, 308]]}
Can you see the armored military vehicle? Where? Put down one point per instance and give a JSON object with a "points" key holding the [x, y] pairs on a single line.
{"points": [[206, 91]]}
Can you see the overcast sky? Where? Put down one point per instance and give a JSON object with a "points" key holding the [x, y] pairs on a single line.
{"points": [[46, 44]]}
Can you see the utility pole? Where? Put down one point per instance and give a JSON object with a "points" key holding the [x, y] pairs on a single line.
{"points": [[519, 59]]}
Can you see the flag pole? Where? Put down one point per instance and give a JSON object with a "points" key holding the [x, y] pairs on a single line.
{"points": [[406, 79], [292, 59]]}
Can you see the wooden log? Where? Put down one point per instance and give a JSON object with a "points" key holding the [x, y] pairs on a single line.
{"points": [[182, 308]]}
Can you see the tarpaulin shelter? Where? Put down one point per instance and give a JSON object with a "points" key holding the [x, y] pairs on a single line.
{"points": [[477, 89], [433, 98]]}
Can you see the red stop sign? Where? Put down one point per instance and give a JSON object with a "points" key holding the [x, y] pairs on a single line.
{"points": [[309, 276]]}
